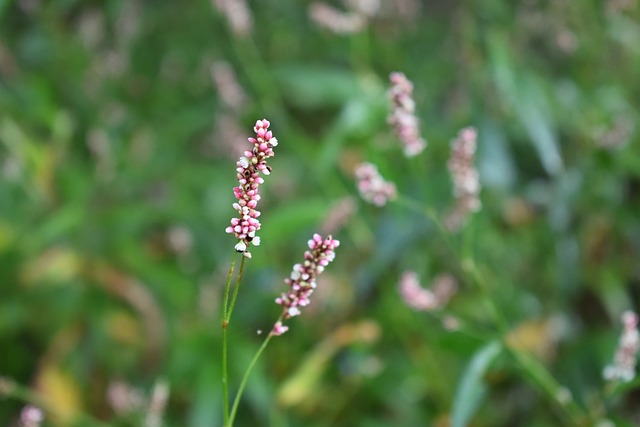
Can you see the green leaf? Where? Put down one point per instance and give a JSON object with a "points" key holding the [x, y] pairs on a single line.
{"points": [[471, 389]]}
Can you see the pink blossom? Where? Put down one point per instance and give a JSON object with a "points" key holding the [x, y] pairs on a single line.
{"points": [[421, 299], [31, 416], [302, 281], [624, 362], [466, 181], [372, 187], [403, 117], [249, 168]]}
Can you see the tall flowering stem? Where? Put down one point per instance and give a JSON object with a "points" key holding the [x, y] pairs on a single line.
{"points": [[249, 169], [403, 117], [302, 283]]}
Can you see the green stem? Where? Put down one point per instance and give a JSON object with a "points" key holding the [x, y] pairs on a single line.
{"points": [[235, 290], [225, 323], [245, 378]]}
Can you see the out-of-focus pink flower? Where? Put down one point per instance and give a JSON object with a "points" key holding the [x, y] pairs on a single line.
{"points": [[302, 281], [238, 15], [334, 20], [31, 416], [422, 299], [372, 187], [403, 117], [466, 181], [339, 214], [228, 88], [623, 367], [250, 166]]}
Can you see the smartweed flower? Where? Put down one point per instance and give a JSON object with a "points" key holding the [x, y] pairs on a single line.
{"points": [[238, 15], [402, 116], [466, 181], [334, 20], [31, 416], [421, 299], [250, 166], [372, 187], [624, 362], [303, 279]]}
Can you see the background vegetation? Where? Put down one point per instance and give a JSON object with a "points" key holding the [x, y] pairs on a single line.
{"points": [[117, 157]]}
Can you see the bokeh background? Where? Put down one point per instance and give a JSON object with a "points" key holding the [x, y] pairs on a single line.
{"points": [[120, 125]]}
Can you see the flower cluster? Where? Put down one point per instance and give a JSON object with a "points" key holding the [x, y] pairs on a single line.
{"points": [[31, 416], [372, 187], [466, 181], [303, 278], [250, 166], [339, 22], [421, 299], [403, 117], [238, 15], [624, 363]]}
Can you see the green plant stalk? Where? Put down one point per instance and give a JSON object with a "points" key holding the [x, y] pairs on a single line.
{"points": [[245, 378], [235, 291], [225, 323]]}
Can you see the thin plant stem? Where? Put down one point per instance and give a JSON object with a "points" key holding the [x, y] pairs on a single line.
{"points": [[225, 323], [235, 290], [225, 303], [245, 378]]}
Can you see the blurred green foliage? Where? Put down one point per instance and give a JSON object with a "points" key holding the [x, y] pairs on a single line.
{"points": [[117, 155]]}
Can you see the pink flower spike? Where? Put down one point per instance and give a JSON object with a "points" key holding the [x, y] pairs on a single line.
{"points": [[249, 168], [623, 367], [466, 181], [302, 281], [402, 116], [421, 299], [372, 186]]}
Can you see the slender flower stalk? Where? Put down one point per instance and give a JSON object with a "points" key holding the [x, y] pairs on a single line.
{"points": [[303, 279], [372, 186], [302, 282], [403, 117], [250, 166], [466, 181], [623, 367], [244, 227]]}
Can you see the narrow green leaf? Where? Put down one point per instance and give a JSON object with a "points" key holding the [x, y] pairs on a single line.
{"points": [[471, 388]]}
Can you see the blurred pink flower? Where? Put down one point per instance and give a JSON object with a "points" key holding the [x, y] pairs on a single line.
{"points": [[334, 20], [303, 278], [624, 362], [31, 416], [466, 181], [402, 116], [422, 299], [372, 187], [254, 162], [238, 15]]}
